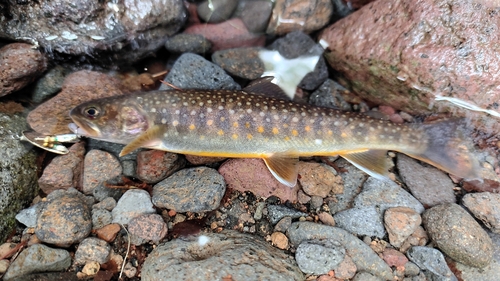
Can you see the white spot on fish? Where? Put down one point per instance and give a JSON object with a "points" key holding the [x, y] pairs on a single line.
{"points": [[221, 107], [209, 109], [163, 121], [295, 119], [318, 141], [153, 109]]}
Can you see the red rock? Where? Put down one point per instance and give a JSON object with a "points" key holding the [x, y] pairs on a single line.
{"points": [[51, 117], [326, 218], [108, 233], [319, 179], [20, 64], [400, 223], [404, 53], [346, 269], [226, 35], [99, 166], [387, 110], [155, 165], [148, 227], [252, 175], [279, 240], [396, 118], [394, 258]]}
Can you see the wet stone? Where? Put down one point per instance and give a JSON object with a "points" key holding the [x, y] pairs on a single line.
{"points": [[353, 179], [38, 258], [458, 235], [432, 262], [108, 233], [319, 179], [216, 10], [92, 249], [145, 228], [99, 166], [329, 94], [108, 203], [485, 206], [241, 62], [129, 168], [411, 269], [277, 212], [283, 224], [394, 258], [49, 84], [155, 165], [361, 221], [28, 216], [101, 218], [133, 203], [319, 256], [188, 43], [255, 14], [400, 223], [279, 240]]}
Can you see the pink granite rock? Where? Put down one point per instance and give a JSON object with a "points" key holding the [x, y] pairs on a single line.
{"points": [[155, 165], [319, 179], [147, 227], [99, 166]]}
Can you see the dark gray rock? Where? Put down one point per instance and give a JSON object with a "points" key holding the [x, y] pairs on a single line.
{"points": [[353, 179], [214, 11], [92, 249], [100, 218], [277, 212], [197, 189], [255, 14], [38, 258], [49, 84], [283, 224], [329, 94], [213, 256], [188, 43], [319, 256], [133, 203], [361, 221], [432, 262], [361, 254]]}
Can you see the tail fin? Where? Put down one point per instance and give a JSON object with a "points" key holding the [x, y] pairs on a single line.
{"points": [[448, 148]]}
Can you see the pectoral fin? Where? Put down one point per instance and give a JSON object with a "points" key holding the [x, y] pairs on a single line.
{"points": [[372, 162], [151, 138], [284, 168]]}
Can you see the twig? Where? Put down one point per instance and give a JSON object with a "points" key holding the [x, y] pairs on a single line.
{"points": [[126, 254]]}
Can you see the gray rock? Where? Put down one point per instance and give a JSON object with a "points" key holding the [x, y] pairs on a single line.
{"points": [[214, 256], [411, 269], [386, 194], [458, 235], [92, 249], [315, 203], [214, 11], [197, 189], [353, 179], [488, 273], [485, 206], [277, 212], [361, 254], [365, 276], [129, 168], [18, 177], [38, 258], [49, 84], [429, 185], [108, 203], [319, 256], [329, 94], [361, 221], [283, 224], [100, 218], [28, 216], [255, 14], [134, 202], [192, 71], [111, 147], [102, 192], [432, 262], [241, 62], [99, 166], [188, 43]]}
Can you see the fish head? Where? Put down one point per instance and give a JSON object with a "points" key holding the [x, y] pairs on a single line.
{"points": [[112, 119]]}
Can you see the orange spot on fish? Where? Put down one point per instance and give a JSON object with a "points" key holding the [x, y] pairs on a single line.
{"points": [[344, 135], [287, 138], [235, 124], [330, 132], [275, 131], [249, 136], [260, 129], [192, 127], [307, 128], [247, 125], [235, 136], [220, 132], [295, 133], [210, 122]]}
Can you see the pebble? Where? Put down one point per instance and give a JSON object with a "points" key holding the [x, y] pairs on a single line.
{"points": [[38, 258], [129, 168], [353, 179], [215, 256], [215, 11], [418, 238], [192, 71], [4, 264], [400, 223], [129, 270], [133, 203], [485, 206], [277, 212], [411, 269], [458, 235], [319, 256], [155, 165], [101, 218], [429, 185], [361, 254], [346, 269], [315, 203], [255, 14], [259, 207], [49, 84], [28, 216], [92, 249], [361, 221], [145, 228], [365, 276], [279, 240], [20, 64], [198, 189], [326, 218], [91, 268], [203, 160], [329, 94], [63, 220], [432, 262], [318, 179], [252, 175], [108, 203], [188, 43], [108, 233], [64, 171], [283, 224], [241, 62], [303, 198], [394, 258], [99, 166]]}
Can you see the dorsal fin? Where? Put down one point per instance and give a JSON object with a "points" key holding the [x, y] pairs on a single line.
{"points": [[372, 162], [283, 166], [151, 138], [265, 87]]}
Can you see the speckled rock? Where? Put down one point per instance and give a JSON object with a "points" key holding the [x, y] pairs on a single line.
{"points": [[190, 190], [400, 223], [254, 13], [361, 221], [133, 203], [101, 218], [330, 94], [486, 207], [188, 43], [155, 165], [28, 216], [432, 262], [216, 10], [63, 220], [108, 203], [252, 175], [214, 256], [346, 269], [365, 276], [319, 179], [361, 254], [99, 166], [92, 249], [49, 84], [20, 64], [64, 171], [353, 179], [241, 62], [38, 258], [319, 256], [51, 117], [277, 212], [428, 184], [394, 258], [458, 235], [149, 227]]}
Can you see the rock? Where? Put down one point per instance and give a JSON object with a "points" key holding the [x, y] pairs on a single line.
{"points": [[277, 212], [52, 118], [49, 84], [326, 218], [92, 249], [6, 250], [432, 262], [329, 94], [18, 176], [129, 270], [361, 221], [458, 235], [252, 175], [99, 166], [361, 254], [394, 258], [214, 256], [49, 276], [279, 240], [429, 185], [227, 35], [315, 203], [148, 227], [319, 256], [129, 168], [241, 62], [109, 203], [283, 224], [255, 14], [418, 238], [346, 269], [101, 218], [430, 60], [91, 268], [38, 258], [303, 15], [188, 43], [192, 71], [20, 64], [155, 165], [319, 179], [353, 179], [197, 189], [365, 276], [486, 207], [216, 10], [203, 160], [411, 269], [28, 216], [63, 220], [134, 202], [64, 171], [400, 223], [4, 264], [108, 233], [89, 28]]}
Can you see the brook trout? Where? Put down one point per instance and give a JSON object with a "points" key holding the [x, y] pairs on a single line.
{"points": [[223, 123]]}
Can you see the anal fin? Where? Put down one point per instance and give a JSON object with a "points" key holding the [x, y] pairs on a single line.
{"points": [[151, 138], [283, 166], [372, 162]]}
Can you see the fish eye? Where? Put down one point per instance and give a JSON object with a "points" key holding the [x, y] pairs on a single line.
{"points": [[91, 112]]}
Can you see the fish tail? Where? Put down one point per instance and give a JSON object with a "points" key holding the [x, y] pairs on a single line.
{"points": [[448, 148]]}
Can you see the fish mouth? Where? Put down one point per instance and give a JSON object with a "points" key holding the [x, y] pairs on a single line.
{"points": [[84, 129]]}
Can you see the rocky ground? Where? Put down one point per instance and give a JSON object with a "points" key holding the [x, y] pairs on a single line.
{"points": [[154, 215]]}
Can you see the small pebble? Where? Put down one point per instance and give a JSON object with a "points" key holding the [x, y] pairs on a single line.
{"points": [[318, 179], [283, 224], [400, 223], [315, 203], [6, 249], [361, 221], [411, 269], [279, 240], [91, 268], [346, 269], [28, 216], [99, 166], [241, 62], [4, 264], [326, 218], [148, 227], [485, 206], [101, 218], [133, 203], [319, 256], [254, 13], [302, 197], [49, 84], [92, 249], [108, 203], [277, 212], [216, 10], [108, 233], [129, 270]]}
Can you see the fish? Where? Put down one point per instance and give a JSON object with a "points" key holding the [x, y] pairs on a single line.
{"points": [[248, 124]]}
